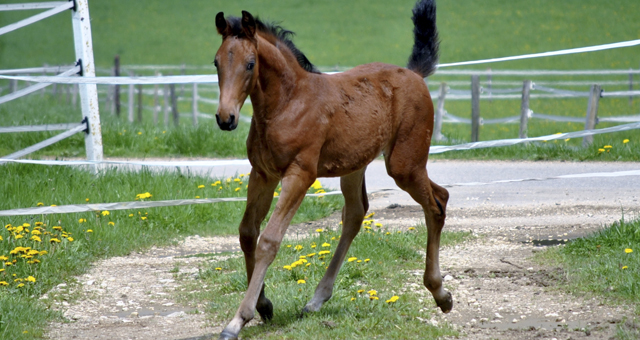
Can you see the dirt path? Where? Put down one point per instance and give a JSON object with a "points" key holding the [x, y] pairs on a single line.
{"points": [[499, 292]]}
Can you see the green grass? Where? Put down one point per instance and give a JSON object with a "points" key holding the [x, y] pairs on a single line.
{"points": [[86, 237], [385, 259], [337, 32], [603, 256]]}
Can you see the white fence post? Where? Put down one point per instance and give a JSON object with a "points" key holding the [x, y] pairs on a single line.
{"points": [[437, 132], [592, 113], [88, 92], [194, 104], [524, 109]]}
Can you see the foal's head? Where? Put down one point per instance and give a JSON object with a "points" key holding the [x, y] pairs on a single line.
{"points": [[237, 63]]}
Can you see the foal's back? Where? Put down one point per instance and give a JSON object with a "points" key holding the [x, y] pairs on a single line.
{"points": [[365, 111]]}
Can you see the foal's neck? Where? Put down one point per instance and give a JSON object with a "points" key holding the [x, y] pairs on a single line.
{"points": [[277, 78]]}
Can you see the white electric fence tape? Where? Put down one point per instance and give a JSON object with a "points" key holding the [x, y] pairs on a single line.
{"points": [[547, 54], [79, 208], [506, 142]]}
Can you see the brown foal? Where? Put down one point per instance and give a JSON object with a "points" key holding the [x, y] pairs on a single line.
{"points": [[307, 125]]}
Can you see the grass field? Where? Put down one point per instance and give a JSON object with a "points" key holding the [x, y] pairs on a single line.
{"points": [[71, 242], [375, 292]]}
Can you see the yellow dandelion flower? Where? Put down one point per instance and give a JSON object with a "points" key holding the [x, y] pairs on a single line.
{"points": [[236, 180], [311, 255], [201, 186], [40, 204], [19, 237], [625, 141], [308, 264], [387, 233], [624, 267], [20, 285], [324, 252], [370, 215], [43, 252], [82, 220], [316, 185], [324, 245], [3, 258], [351, 259], [26, 225], [143, 196], [35, 238], [608, 147], [367, 260], [31, 279], [287, 267], [197, 196], [130, 215], [373, 292], [366, 227], [216, 183], [89, 230], [0, 238], [36, 232], [373, 298], [8, 264], [353, 299], [412, 228], [360, 291], [359, 261], [39, 224], [70, 239], [275, 194], [139, 132], [298, 247], [392, 299], [302, 257], [379, 225], [53, 239], [288, 246], [628, 250], [313, 246], [218, 268], [106, 213], [319, 230], [86, 200], [600, 150], [111, 223], [4, 283], [59, 228], [301, 281], [366, 222], [143, 218], [237, 189], [1, 270]]}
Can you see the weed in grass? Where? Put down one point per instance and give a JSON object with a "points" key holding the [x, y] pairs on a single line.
{"points": [[374, 293]]}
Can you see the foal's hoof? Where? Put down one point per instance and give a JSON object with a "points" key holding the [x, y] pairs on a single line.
{"points": [[446, 304], [265, 310], [227, 336]]}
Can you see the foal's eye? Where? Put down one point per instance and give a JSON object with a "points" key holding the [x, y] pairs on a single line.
{"points": [[215, 63], [250, 65]]}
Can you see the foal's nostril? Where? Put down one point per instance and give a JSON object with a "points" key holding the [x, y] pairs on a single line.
{"points": [[232, 119]]}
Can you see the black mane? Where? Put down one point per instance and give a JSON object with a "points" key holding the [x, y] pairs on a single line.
{"points": [[281, 34]]}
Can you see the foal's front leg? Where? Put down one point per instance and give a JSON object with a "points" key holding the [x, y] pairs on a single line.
{"points": [[259, 198], [294, 187]]}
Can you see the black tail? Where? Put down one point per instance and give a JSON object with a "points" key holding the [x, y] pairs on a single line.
{"points": [[424, 57]]}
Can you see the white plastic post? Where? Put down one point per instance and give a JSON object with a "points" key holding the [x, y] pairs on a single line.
{"points": [[88, 92]]}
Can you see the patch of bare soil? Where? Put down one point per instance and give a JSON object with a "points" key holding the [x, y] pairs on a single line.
{"points": [[499, 292]]}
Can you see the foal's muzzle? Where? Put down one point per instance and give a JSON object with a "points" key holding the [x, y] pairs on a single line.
{"points": [[228, 125]]}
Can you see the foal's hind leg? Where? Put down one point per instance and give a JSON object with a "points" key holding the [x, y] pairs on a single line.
{"points": [[259, 198], [355, 207], [412, 177]]}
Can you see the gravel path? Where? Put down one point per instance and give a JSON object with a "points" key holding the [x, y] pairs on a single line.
{"points": [[499, 292]]}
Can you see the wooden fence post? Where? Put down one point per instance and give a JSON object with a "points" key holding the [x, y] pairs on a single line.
{"points": [[116, 73], [13, 85], [475, 108], [156, 102], [139, 103], [630, 87], [183, 71], [592, 113], [131, 99], [194, 104], [524, 109], [437, 132], [44, 73], [489, 84], [165, 93], [174, 105]]}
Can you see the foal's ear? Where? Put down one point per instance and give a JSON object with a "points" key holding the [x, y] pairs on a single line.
{"points": [[248, 24], [222, 25]]}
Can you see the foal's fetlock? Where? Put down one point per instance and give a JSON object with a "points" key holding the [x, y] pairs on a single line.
{"points": [[265, 309]]}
